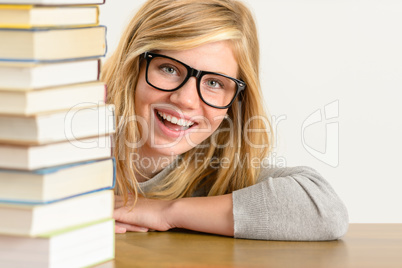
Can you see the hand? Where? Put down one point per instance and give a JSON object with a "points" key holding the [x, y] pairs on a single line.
{"points": [[121, 228], [147, 214]]}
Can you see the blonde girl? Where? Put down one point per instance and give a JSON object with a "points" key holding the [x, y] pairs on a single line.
{"points": [[192, 134]]}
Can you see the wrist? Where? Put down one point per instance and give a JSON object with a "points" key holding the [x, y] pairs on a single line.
{"points": [[174, 213], [203, 214]]}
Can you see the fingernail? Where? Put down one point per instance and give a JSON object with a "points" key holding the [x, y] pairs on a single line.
{"points": [[143, 230]]}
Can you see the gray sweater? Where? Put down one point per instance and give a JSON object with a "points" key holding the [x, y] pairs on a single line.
{"points": [[293, 203]]}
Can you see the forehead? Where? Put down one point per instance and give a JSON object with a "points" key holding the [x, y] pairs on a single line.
{"points": [[213, 57]]}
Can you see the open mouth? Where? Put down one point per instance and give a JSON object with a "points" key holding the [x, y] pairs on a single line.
{"points": [[174, 123]]}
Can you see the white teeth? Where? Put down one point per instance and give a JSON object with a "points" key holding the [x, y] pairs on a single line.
{"points": [[175, 120]]}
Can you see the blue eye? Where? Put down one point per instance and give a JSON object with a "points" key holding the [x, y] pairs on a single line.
{"points": [[212, 83], [171, 70]]}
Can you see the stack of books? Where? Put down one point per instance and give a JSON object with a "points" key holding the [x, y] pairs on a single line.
{"points": [[56, 166]]}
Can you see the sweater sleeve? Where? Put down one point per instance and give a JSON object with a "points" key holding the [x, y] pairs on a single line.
{"points": [[289, 204]]}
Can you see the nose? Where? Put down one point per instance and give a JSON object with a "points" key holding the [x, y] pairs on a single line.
{"points": [[186, 97]]}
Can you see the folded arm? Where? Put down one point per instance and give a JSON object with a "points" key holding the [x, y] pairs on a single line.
{"points": [[287, 204]]}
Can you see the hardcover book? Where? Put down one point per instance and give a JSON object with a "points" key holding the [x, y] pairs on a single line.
{"points": [[22, 76], [34, 220], [53, 2], [83, 120], [52, 44], [29, 16], [54, 154], [31, 102], [53, 184], [84, 246]]}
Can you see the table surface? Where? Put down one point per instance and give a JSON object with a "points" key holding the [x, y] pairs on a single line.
{"points": [[365, 245]]}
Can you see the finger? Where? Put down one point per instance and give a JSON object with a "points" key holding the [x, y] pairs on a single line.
{"points": [[132, 228], [119, 230]]}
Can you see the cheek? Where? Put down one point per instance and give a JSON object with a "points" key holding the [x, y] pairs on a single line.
{"points": [[214, 117], [142, 92], [144, 96], [209, 128]]}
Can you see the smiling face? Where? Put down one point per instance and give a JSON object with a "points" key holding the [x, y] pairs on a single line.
{"points": [[172, 123]]}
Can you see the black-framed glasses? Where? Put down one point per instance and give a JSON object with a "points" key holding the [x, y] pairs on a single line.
{"points": [[168, 74]]}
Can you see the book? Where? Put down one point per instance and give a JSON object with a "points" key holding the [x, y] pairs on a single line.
{"points": [[54, 2], [88, 245], [34, 220], [46, 100], [52, 44], [83, 120], [29, 16], [54, 154], [53, 184], [18, 76]]}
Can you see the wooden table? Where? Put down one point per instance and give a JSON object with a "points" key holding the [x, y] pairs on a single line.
{"points": [[365, 245]]}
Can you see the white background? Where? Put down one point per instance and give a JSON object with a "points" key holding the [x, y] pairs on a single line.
{"points": [[318, 52]]}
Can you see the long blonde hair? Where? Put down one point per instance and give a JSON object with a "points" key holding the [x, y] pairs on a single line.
{"points": [[181, 25]]}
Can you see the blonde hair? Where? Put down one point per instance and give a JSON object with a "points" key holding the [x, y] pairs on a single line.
{"points": [[181, 25]]}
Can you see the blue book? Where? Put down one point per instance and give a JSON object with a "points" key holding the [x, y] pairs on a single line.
{"points": [[49, 185], [52, 44]]}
